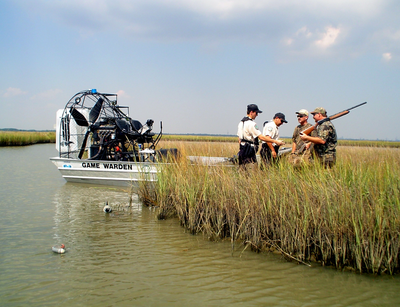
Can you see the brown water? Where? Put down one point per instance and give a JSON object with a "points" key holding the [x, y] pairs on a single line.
{"points": [[128, 258]]}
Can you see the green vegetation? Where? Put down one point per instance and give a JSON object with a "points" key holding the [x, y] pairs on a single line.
{"points": [[198, 138], [20, 138], [390, 144], [215, 138], [347, 217]]}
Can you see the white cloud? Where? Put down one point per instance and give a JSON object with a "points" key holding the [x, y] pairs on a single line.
{"points": [[232, 7], [301, 35], [384, 40], [311, 42], [295, 24], [139, 15], [287, 41], [122, 93], [12, 92], [304, 32], [387, 56], [328, 38]]}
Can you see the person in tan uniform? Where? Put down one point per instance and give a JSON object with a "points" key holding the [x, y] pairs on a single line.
{"points": [[301, 150]]}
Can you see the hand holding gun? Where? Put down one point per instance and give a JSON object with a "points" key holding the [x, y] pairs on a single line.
{"points": [[337, 115]]}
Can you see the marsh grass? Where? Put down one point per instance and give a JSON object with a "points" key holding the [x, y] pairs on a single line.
{"points": [[16, 138], [233, 139], [347, 217], [20, 138]]}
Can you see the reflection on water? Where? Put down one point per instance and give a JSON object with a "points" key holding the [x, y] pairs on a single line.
{"points": [[128, 258]]}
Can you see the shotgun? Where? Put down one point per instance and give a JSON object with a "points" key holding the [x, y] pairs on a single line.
{"points": [[337, 115]]}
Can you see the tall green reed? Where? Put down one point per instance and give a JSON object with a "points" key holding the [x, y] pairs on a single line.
{"points": [[346, 217], [19, 138]]}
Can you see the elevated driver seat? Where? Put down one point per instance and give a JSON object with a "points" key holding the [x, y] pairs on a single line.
{"points": [[123, 125], [136, 125]]}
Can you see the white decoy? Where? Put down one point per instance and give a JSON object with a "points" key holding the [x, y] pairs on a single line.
{"points": [[59, 249], [107, 208]]}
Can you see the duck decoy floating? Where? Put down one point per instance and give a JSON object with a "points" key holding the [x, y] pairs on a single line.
{"points": [[59, 249], [107, 208]]}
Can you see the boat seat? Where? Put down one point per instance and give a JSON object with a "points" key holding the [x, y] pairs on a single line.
{"points": [[123, 125], [136, 125]]}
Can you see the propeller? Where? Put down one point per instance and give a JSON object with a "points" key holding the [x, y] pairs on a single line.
{"points": [[95, 111], [79, 118], [81, 121]]}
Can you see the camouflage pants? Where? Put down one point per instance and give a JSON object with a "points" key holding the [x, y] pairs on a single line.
{"points": [[327, 160]]}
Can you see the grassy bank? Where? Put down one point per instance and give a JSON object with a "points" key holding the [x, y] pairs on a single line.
{"points": [[17, 138], [347, 217], [233, 139], [20, 138]]}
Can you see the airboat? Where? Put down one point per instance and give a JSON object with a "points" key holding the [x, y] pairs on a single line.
{"points": [[99, 143]]}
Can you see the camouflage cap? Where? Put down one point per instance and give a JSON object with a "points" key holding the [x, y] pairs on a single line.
{"points": [[319, 110], [302, 112]]}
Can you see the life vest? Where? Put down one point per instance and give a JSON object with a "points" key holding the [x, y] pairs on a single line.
{"points": [[256, 141]]}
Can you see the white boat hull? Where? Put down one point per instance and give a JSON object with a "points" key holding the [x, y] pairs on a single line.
{"points": [[123, 173], [119, 173]]}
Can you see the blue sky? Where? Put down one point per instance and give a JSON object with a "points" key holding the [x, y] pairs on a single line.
{"points": [[196, 64]]}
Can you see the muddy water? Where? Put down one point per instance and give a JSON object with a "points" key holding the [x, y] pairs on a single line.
{"points": [[128, 258]]}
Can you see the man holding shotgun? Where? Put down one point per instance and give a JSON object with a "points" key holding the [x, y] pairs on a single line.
{"points": [[301, 151], [326, 140]]}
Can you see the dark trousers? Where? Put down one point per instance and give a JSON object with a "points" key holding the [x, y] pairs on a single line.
{"points": [[247, 154], [266, 154]]}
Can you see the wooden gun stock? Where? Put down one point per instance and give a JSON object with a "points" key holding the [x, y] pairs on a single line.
{"points": [[309, 129], [337, 115]]}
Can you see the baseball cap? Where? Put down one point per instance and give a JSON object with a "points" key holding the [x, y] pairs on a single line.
{"points": [[254, 108], [319, 110], [302, 112], [281, 116]]}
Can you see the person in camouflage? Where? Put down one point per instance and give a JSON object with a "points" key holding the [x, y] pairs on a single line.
{"points": [[326, 140], [301, 151]]}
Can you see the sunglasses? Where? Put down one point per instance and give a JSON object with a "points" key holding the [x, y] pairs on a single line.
{"points": [[300, 115]]}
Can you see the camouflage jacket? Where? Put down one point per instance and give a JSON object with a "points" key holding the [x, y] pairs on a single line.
{"points": [[327, 132], [300, 144]]}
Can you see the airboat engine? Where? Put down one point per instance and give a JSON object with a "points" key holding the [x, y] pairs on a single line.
{"points": [[93, 126]]}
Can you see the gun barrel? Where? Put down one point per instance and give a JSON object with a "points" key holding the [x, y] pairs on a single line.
{"points": [[359, 105], [337, 115], [340, 114]]}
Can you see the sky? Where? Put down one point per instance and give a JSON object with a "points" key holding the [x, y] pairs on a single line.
{"points": [[196, 64]]}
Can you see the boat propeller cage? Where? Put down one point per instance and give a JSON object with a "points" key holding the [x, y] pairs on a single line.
{"points": [[93, 126]]}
